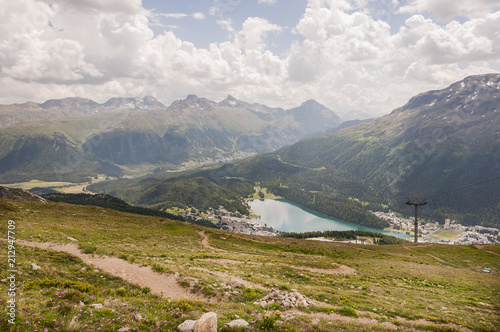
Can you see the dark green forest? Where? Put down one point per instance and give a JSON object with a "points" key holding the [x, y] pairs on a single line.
{"points": [[182, 191]]}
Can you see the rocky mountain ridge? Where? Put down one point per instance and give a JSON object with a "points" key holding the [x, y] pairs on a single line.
{"points": [[70, 107], [127, 131]]}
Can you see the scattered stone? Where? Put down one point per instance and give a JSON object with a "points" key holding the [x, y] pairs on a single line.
{"points": [[187, 326], [285, 299], [138, 317], [124, 329], [97, 306], [302, 304], [72, 239], [35, 267], [206, 323], [237, 323]]}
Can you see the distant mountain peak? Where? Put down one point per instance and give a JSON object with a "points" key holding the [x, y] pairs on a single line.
{"points": [[311, 102], [192, 97], [69, 102], [314, 116], [152, 102], [230, 101], [193, 102], [149, 99], [147, 102]]}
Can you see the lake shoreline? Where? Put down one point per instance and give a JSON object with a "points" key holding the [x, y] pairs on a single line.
{"points": [[288, 216]]}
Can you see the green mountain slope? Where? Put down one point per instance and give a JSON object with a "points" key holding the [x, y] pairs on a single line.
{"points": [[48, 157], [438, 142]]}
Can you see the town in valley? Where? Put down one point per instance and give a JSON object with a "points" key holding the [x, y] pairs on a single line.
{"points": [[451, 232]]}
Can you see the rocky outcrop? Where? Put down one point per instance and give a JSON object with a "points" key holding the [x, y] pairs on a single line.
{"points": [[285, 299]]}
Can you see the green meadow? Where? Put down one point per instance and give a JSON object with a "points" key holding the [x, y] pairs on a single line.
{"points": [[410, 287]]}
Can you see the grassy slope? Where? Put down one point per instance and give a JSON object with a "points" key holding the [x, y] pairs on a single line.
{"points": [[423, 287]]}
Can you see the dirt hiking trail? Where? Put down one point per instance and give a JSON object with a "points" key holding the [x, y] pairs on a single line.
{"points": [[160, 284]]}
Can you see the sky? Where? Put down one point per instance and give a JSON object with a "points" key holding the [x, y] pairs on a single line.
{"points": [[351, 56]]}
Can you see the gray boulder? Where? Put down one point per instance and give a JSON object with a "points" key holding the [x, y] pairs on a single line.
{"points": [[237, 323], [187, 326], [206, 323]]}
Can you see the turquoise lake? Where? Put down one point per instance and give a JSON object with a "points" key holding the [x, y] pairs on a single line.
{"points": [[286, 216]]}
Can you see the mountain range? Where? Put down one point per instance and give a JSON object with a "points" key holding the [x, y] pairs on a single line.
{"points": [[74, 138], [442, 145]]}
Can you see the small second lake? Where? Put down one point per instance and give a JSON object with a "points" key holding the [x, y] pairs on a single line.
{"points": [[286, 216]]}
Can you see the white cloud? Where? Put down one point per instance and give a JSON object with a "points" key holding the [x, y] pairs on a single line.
{"points": [[342, 56], [180, 68], [254, 32], [198, 16], [226, 25], [452, 8], [128, 6], [353, 61], [31, 50], [174, 15], [268, 2], [52, 61]]}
